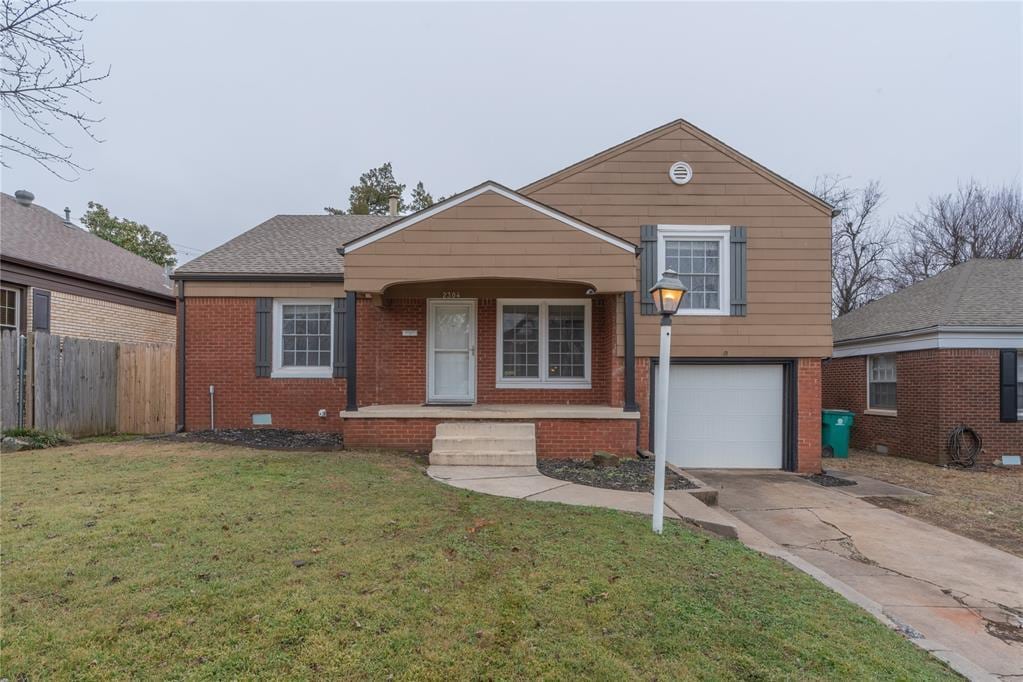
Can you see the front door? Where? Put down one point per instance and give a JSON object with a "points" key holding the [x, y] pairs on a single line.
{"points": [[451, 351]]}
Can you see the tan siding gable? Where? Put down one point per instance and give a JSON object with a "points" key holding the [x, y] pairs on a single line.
{"points": [[490, 236], [789, 239]]}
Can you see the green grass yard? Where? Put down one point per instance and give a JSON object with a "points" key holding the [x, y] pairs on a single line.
{"points": [[167, 560]]}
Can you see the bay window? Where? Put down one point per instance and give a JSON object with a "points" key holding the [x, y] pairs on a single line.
{"points": [[543, 343]]}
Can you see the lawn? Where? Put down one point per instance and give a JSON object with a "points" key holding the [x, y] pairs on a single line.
{"points": [[985, 503], [169, 560]]}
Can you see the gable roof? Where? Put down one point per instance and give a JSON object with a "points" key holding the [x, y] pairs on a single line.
{"points": [[488, 186], [37, 236], [699, 134], [285, 246], [978, 293]]}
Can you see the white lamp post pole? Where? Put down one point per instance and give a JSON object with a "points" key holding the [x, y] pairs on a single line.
{"points": [[661, 422], [667, 295]]}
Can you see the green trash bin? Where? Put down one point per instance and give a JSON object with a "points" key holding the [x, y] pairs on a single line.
{"points": [[835, 428]]}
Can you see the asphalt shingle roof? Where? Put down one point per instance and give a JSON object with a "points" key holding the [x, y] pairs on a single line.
{"points": [[979, 293], [288, 245], [38, 235]]}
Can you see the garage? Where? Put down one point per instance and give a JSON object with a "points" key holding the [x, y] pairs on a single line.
{"points": [[726, 416]]}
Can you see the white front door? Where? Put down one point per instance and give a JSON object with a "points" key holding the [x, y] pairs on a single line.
{"points": [[725, 416], [451, 351]]}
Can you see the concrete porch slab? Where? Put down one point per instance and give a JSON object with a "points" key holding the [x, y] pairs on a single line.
{"points": [[490, 412]]}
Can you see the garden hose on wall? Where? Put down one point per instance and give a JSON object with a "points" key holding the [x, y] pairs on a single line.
{"points": [[964, 445]]}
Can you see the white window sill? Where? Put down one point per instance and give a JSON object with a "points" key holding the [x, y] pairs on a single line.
{"points": [[315, 373], [881, 413], [540, 384], [705, 313]]}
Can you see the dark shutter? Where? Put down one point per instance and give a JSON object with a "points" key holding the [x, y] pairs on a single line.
{"points": [[1008, 409], [648, 274], [40, 310], [264, 336], [339, 338], [737, 252]]}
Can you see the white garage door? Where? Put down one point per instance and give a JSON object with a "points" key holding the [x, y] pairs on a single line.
{"points": [[725, 416]]}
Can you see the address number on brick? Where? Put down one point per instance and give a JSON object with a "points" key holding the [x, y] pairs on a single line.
{"points": [[451, 294]]}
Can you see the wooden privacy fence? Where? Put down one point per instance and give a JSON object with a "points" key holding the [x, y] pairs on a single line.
{"points": [[12, 385], [84, 387]]}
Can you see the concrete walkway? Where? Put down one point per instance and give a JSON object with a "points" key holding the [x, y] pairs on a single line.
{"points": [[960, 599], [526, 482]]}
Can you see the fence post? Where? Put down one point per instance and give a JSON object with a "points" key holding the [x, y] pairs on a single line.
{"points": [[22, 354]]}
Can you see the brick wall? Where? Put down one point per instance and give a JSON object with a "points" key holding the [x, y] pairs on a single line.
{"points": [[937, 390], [555, 438], [392, 367], [808, 416], [221, 350], [91, 318]]}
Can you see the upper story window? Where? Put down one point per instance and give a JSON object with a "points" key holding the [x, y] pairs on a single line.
{"points": [[303, 330], [881, 382], [699, 254], [10, 309], [543, 344]]}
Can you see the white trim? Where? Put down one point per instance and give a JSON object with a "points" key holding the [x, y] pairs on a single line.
{"points": [[878, 412], [279, 370], [431, 305], [497, 189], [934, 337], [701, 233], [542, 380], [17, 308]]}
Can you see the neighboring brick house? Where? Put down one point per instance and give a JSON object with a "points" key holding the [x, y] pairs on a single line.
{"points": [[945, 352], [58, 278], [532, 305]]}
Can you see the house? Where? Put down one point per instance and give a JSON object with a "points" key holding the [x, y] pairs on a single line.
{"points": [[58, 278], [943, 352], [497, 305]]}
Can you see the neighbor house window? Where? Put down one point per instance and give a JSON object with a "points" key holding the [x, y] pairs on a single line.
{"points": [[1019, 384], [881, 380], [699, 254], [303, 329], [10, 309], [543, 344]]}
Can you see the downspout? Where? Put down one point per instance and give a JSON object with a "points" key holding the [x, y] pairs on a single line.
{"points": [[181, 357]]}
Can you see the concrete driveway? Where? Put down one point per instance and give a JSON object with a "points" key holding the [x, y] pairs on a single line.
{"points": [[946, 591]]}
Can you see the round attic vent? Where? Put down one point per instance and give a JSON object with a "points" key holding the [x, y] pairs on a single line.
{"points": [[680, 172]]}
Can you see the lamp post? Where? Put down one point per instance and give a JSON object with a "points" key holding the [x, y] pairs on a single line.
{"points": [[667, 295]]}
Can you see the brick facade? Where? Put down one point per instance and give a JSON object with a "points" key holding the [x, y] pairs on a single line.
{"points": [[92, 318], [220, 342], [555, 438], [392, 367], [220, 350], [937, 390], [808, 416]]}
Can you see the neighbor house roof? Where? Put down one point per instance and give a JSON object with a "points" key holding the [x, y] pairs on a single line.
{"points": [[37, 236], [286, 246], [979, 293]]}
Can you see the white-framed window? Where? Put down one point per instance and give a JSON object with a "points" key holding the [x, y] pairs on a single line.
{"points": [[303, 330], [1019, 384], [881, 382], [10, 309], [699, 254], [543, 343]]}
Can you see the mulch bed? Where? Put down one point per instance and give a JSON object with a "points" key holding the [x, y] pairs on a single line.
{"points": [[636, 475], [828, 481], [266, 439]]}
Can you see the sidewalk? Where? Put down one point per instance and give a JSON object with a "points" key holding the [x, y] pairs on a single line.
{"points": [[527, 483]]}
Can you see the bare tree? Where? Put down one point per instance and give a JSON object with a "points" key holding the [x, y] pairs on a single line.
{"points": [[972, 222], [44, 78], [860, 245]]}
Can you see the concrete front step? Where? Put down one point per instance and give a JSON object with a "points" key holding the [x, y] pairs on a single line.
{"points": [[484, 443]]}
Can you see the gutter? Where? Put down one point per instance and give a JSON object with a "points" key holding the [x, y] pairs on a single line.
{"points": [[256, 277]]}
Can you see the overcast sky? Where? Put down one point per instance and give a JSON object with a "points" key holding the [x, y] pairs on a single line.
{"points": [[221, 115]]}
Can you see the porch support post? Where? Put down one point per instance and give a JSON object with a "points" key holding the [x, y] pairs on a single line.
{"points": [[630, 353], [351, 360]]}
